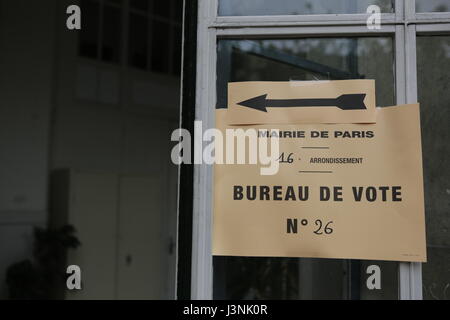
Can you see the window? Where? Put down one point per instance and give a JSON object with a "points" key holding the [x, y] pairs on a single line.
{"points": [[100, 36], [89, 36], [308, 59], [432, 5], [154, 33], [150, 29], [297, 7], [302, 59], [111, 38], [138, 41], [240, 40]]}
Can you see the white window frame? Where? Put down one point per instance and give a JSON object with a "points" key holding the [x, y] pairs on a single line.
{"points": [[403, 26]]}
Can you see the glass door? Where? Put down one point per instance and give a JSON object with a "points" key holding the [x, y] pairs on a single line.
{"points": [[294, 59], [304, 40]]}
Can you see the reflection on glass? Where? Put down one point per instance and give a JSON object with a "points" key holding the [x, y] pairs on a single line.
{"points": [[89, 32], [433, 63], [161, 46], [293, 7], [432, 5], [178, 10], [108, 148], [139, 5], [112, 26], [161, 8], [176, 63], [308, 59], [138, 35], [304, 59]]}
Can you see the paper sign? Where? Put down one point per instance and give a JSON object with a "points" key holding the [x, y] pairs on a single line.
{"points": [[344, 101], [350, 191]]}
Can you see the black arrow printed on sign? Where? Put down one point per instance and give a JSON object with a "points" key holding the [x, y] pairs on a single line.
{"points": [[343, 102]]}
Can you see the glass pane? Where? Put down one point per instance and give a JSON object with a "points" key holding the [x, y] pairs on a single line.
{"points": [[304, 59], [432, 5], [162, 8], [90, 30], [104, 141], [292, 7], [176, 70], [112, 28], [139, 5], [308, 59], [433, 63], [178, 10], [115, 2], [138, 41], [160, 46]]}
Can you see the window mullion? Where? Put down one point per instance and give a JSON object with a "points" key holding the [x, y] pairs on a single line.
{"points": [[411, 64], [202, 269], [400, 10], [400, 65], [410, 274]]}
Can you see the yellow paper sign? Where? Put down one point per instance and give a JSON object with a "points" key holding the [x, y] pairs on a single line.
{"points": [[345, 190]]}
